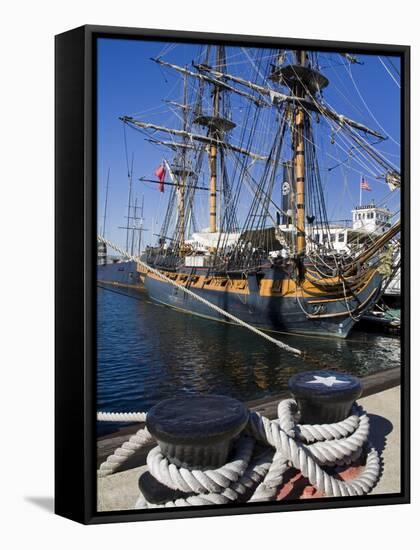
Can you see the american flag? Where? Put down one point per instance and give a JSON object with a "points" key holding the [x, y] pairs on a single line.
{"points": [[364, 185]]}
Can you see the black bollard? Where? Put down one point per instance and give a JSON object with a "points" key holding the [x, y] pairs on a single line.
{"points": [[324, 397], [197, 431]]}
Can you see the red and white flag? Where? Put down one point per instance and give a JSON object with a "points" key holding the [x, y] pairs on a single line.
{"points": [[364, 185], [160, 173]]}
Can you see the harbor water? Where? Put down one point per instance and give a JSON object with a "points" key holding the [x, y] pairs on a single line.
{"points": [[147, 352]]}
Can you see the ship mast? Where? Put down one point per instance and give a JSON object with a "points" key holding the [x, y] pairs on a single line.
{"points": [[213, 164], [217, 126], [141, 228], [180, 171], [130, 188], [106, 205], [184, 173], [299, 162], [302, 79]]}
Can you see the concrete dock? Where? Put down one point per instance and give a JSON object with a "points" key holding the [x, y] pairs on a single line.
{"points": [[385, 435], [120, 491]]}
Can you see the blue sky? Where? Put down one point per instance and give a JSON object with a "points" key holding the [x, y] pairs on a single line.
{"points": [[129, 83]]}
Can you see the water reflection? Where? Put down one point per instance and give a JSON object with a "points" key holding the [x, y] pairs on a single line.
{"points": [[147, 352]]}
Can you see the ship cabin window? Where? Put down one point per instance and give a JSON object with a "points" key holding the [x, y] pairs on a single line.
{"points": [[316, 237], [360, 216], [341, 237], [325, 238]]}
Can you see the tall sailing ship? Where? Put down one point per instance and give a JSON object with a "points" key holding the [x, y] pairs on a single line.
{"points": [[258, 256]]}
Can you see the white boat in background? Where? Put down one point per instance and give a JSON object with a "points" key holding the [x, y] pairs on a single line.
{"points": [[348, 236]]}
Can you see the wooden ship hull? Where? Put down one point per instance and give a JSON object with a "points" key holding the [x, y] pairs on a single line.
{"points": [[271, 300]]}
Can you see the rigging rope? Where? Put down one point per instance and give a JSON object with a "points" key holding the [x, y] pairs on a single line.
{"points": [[389, 72], [340, 125], [366, 105]]}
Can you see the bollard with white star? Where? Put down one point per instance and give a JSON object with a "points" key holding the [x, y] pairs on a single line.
{"points": [[324, 396], [327, 380]]}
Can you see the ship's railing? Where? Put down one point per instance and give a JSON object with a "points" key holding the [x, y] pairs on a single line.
{"points": [[166, 261]]}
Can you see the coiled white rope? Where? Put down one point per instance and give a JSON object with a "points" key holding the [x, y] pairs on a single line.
{"points": [[121, 417], [137, 441], [212, 306], [253, 474], [308, 458], [308, 448], [199, 481]]}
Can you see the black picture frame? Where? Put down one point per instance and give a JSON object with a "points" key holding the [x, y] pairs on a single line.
{"points": [[75, 252]]}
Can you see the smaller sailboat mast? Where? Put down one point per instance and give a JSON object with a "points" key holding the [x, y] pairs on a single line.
{"points": [[141, 228], [130, 191], [106, 205]]}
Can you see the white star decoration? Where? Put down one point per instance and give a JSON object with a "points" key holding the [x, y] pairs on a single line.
{"points": [[327, 381]]}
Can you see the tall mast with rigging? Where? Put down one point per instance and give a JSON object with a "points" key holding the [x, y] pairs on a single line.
{"points": [[183, 175], [213, 165], [299, 162], [180, 171], [217, 126], [302, 80]]}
